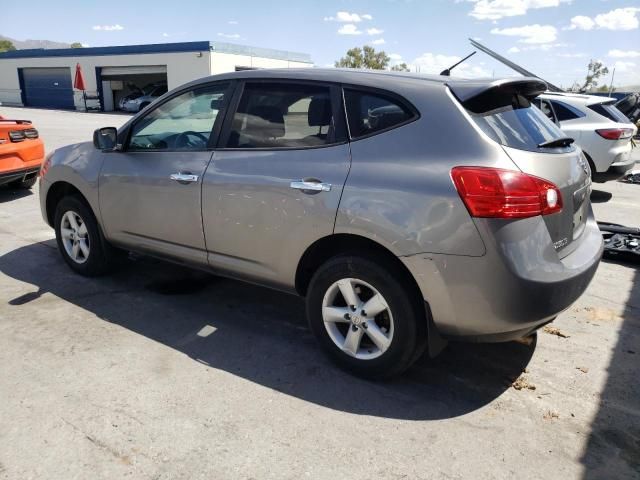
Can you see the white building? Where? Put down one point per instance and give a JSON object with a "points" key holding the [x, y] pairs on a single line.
{"points": [[44, 78]]}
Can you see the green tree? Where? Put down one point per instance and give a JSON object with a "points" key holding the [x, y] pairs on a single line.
{"points": [[595, 70], [401, 67], [76, 45], [6, 46], [365, 57]]}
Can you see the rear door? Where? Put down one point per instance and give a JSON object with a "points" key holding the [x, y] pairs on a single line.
{"points": [[274, 184]]}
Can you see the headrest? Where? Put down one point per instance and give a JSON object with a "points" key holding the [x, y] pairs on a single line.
{"points": [[320, 111], [266, 121]]}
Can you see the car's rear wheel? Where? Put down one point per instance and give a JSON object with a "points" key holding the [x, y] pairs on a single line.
{"points": [[80, 240], [365, 317], [24, 184]]}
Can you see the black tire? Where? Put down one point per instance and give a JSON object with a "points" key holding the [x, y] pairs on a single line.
{"points": [[102, 256], [409, 334], [24, 184]]}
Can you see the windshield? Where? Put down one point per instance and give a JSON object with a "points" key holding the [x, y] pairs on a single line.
{"points": [[519, 125]]}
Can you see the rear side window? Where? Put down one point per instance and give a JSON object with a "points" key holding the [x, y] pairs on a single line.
{"points": [[282, 115], [609, 111], [513, 121], [369, 113], [565, 111]]}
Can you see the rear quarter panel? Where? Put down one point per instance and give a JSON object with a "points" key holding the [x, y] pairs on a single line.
{"points": [[399, 192]]}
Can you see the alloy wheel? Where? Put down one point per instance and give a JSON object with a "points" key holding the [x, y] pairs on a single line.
{"points": [[357, 318]]}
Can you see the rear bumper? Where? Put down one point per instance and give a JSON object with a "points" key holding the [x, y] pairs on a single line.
{"points": [[18, 175], [517, 287]]}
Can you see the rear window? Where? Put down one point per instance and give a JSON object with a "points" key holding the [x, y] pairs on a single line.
{"points": [[369, 113], [518, 124], [609, 111]]}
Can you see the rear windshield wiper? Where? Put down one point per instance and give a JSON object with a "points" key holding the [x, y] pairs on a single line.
{"points": [[558, 142]]}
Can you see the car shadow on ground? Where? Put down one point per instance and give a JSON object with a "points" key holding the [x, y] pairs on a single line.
{"points": [[261, 335], [613, 448], [8, 194]]}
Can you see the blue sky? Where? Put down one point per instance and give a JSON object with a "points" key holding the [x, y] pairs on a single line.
{"points": [[553, 38]]}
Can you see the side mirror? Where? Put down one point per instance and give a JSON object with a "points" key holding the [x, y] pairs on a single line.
{"points": [[105, 138]]}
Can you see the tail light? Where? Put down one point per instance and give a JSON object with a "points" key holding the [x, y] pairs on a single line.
{"points": [[31, 133], [17, 135], [497, 193], [615, 133]]}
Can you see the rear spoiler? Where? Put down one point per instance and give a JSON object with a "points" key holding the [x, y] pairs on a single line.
{"points": [[528, 87], [483, 95], [19, 122]]}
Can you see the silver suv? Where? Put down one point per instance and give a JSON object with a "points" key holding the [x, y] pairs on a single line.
{"points": [[407, 210]]}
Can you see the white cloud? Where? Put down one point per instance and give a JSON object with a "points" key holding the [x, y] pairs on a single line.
{"points": [[85, 45], [621, 66], [435, 63], [229, 35], [571, 55], [165, 34], [615, 53], [108, 28], [529, 33], [497, 9], [378, 41], [232, 22], [618, 19], [513, 50], [581, 22], [374, 31], [349, 29], [347, 17]]}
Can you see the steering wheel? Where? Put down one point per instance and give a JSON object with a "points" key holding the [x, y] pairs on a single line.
{"points": [[190, 139]]}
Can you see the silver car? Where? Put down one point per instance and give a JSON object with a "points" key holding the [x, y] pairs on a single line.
{"points": [[408, 210]]}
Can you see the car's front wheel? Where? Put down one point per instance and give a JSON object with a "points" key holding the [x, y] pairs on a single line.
{"points": [[79, 238], [365, 316]]}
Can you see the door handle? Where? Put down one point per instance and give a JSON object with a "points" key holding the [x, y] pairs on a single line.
{"points": [[313, 186], [184, 177]]}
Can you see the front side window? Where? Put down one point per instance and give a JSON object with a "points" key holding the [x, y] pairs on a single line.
{"points": [[369, 113], [183, 123], [281, 115]]}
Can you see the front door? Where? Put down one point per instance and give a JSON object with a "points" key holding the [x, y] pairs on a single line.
{"points": [[274, 186], [150, 193]]}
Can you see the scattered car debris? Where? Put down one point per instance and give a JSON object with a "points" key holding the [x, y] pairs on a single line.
{"points": [[583, 369], [620, 241], [551, 415], [522, 383], [631, 177], [554, 331]]}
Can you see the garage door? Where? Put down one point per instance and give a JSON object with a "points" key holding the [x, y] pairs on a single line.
{"points": [[48, 87]]}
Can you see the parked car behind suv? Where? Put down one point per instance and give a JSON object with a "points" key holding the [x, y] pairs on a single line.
{"points": [[602, 131], [407, 210], [21, 153], [139, 99]]}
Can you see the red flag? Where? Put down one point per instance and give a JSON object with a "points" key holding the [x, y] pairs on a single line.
{"points": [[78, 82]]}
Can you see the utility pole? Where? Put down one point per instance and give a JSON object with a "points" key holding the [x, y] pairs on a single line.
{"points": [[613, 74]]}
